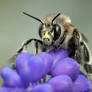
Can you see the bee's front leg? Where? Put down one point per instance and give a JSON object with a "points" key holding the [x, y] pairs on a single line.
{"points": [[29, 41], [13, 59]]}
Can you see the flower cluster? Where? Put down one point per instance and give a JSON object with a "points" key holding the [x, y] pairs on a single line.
{"points": [[54, 71]]}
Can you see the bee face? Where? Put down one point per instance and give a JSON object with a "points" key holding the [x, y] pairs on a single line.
{"points": [[49, 33], [46, 33]]}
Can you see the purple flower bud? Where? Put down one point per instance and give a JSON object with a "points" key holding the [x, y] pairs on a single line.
{"points": [[19, 90], [90, 85], [36, 66], [81, 84], [4, 89], [58, 55], [22, 61], [43, 88], [30, 67], [67, 66], [66, 76], [47, 59], [22, 67], [10, 78], [62, 83]]}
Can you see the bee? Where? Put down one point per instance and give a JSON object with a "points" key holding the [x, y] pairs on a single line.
{"points": [[56, 31]]}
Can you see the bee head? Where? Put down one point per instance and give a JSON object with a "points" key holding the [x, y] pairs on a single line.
{"points": [[48, 32]]}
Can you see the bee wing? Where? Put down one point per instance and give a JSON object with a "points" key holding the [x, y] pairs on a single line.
{"points": [[84, 38], [87, 58]]}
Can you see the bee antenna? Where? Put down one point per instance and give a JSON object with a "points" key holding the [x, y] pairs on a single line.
{"points": [[55, 17], [32, 17]]}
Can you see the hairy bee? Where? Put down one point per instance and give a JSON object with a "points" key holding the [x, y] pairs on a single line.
{"points": [[57, 31]]}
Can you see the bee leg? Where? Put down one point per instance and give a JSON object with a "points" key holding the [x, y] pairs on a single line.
{"points": [[43, 48], [75, 46], [56, 47], [29, 41], [74, 50], [22, 47], [36, 46], [75, 54], [14, 66]]}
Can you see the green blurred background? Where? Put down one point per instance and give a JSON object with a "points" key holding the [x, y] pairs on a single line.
{"points": [[16, 27]]}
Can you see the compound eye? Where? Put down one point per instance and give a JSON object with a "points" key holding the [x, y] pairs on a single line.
{"points": [[57, 31], [40, 31]]}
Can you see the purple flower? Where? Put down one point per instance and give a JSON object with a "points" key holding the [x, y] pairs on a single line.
{"points": [[48, 61], [11, 78], [31, 74], [58, 55], [62, 83], [66, 66], [36, 66], [81, 84], [43, 88], [22, 67], [29, 67], [5, 89]]}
